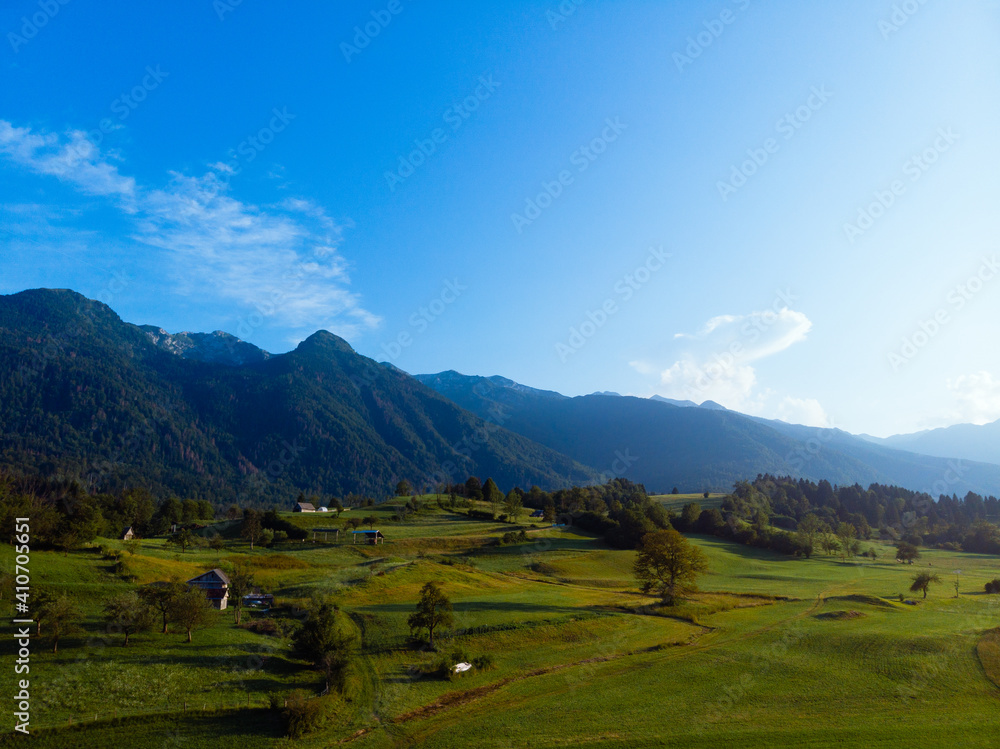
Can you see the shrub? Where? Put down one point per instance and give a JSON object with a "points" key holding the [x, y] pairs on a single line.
{"points": [[993, 586], [302, 714], [262, 627], [484, 662]]}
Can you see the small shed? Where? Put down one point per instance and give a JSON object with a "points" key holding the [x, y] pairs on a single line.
{"points": [[371, 537], [128, 534], [303, 507], [538, 514], [323, 509], [215, 583]]}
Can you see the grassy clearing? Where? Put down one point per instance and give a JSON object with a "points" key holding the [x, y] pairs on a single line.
{"points": [[774, 652]]}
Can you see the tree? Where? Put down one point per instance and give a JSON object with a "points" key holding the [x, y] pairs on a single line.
{"points": [[689, 516], [183, 538], [252, 527], [809, 529], [669, 565], [321, 641], [191, 610], [922, 581], [370, 521], [549, 514], [846, 535], [403, 488], [241, 582], [907, 552], [513, 503], [829, 543], [493, 495], [132, 546], [161, 597], [129, 613], [61, 616], [473, 488], [433, 611]]}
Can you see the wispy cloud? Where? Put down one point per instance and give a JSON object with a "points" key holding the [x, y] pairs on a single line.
{"points": [[282, 260], [71, 158], [715, 363]]}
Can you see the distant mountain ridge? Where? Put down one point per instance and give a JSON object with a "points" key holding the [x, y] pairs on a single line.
{"points": [[967, 441], [701, 447]]}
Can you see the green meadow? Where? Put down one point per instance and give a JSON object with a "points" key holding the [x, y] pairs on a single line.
{"points": [[773, 651]]}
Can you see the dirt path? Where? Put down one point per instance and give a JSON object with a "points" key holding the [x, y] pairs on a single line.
{"points": [[696, 645]]}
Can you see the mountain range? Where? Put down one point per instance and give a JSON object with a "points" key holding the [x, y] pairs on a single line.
{"points": [[87, 395], [704, 447]]}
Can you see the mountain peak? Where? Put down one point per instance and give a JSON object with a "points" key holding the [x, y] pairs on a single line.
{"points": [[323, 341]]}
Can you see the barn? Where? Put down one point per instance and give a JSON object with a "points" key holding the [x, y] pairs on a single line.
{"points": [[215, 583]]}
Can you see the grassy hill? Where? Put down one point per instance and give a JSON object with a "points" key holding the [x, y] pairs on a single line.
{"points": [[774, 652]]}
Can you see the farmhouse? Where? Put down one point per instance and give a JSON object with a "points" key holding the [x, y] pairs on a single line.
{"points": [[303, 507], [371, 537], [128, 534], [215, 583]]}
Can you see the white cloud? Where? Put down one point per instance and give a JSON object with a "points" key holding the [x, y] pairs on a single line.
{"points": [[282, 261], [977, 397], [715, 364], [807, 411], [74, 160]]}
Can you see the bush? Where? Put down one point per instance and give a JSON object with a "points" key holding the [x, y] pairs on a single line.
{"points": [[484, 662], [302, 714], [280, 536], [993, 586], [513, 537], [262, 627]]}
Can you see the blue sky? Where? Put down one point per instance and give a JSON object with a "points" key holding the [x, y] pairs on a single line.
{"points": [[788, 208]]}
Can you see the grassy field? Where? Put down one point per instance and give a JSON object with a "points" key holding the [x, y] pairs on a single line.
{"points": [[774, 652]]}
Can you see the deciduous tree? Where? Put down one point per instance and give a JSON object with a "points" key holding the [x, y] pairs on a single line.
{"points": [[191, 610], [922, 581], [669, 565], [128, 613], [433, 611]]}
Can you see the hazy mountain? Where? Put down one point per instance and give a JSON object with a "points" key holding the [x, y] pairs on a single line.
{"points": [[85, 394], [967, 441], [701, 448]]}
